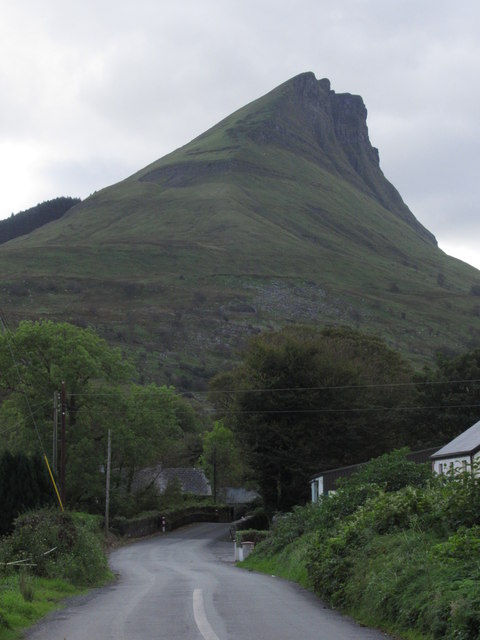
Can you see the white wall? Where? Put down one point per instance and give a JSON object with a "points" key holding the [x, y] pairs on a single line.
{"points": [[458, 464], [317, 488]]}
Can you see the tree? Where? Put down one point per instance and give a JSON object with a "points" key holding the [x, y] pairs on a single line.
{"points": [[26, 221], [37, 357], [448, 395], [304, 399], [221, 458], [153, 426], [149, 426], [24, 485], [34, 360], [390, 471]]}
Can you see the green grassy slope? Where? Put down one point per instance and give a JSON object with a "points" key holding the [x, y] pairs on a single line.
{"points": [[280, 213]]}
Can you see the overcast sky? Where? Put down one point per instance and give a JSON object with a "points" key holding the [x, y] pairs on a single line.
{"points": [[92, 91]]}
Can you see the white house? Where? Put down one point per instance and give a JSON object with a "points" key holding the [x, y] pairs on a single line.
{"points": [[325, 482], [460, 453]]}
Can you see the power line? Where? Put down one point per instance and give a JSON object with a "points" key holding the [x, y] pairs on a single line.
{"points": [[340, 387], [330, 388], [386, 385], [351, 410], [318, 388]]}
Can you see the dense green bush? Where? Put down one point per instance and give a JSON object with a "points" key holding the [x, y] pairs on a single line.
{"points": [[24, 485], [462, 545], [256, 519], [427, 539], [251, 535], [57, 545], [461, 500], [287, 527], [333, 554], [391, 471], [401, 552]]}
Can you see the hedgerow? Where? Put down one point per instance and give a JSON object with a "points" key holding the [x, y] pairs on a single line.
{"points": [[56, 545], [401, 553]]}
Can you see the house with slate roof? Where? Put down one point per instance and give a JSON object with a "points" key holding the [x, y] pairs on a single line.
{"points": [[459, 454], [192, 480]]}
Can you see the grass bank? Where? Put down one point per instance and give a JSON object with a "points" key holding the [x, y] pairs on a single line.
{"points": [[289, 563], [49, 556], [18, 612]]}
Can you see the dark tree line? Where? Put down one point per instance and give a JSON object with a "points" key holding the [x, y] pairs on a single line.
{"points": [[27, 221], [449, 394], [24, 485], [305, 400]]}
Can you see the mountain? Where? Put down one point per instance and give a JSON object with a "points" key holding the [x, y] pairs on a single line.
{"points": [[278, 214]]}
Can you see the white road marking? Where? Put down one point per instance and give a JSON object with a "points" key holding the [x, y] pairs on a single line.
{"points": [[201, 618]]}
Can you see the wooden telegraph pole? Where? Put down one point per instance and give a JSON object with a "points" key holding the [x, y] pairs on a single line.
{"points": [[215, 474], [107, 488], [55, 432], [63, 445]]}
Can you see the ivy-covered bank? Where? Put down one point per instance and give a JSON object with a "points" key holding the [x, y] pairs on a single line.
{"points": [[396, 547]]}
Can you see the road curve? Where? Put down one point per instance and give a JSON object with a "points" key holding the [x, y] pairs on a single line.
{"points": [[184, 586]]}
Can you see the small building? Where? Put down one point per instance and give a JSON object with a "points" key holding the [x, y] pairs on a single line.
{"points": [[459, 454], [191, 480], [325, 482]]}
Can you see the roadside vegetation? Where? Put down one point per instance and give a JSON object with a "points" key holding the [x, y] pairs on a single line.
{"points": [[395, 547], [149, 424], [49, 555]]}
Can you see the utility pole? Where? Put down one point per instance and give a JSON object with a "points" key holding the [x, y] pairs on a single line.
{"points": [[107, 490], [63, 446], [215, 474], [55, 432]]}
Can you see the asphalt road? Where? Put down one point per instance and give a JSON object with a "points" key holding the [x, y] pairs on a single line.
{"points": [[184, 586]]}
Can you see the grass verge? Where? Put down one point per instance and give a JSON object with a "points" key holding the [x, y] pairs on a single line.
{"points": [[17, 614], [55, 555], [290, 563]]}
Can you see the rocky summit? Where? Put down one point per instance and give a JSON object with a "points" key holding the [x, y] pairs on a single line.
{"points": [[278, 214]]}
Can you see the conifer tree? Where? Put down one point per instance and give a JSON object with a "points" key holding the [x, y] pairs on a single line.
{"points": [[23, 486]]}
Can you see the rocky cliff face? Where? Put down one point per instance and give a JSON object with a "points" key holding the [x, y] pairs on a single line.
{"points": [[303, 116], [332, 129]]}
